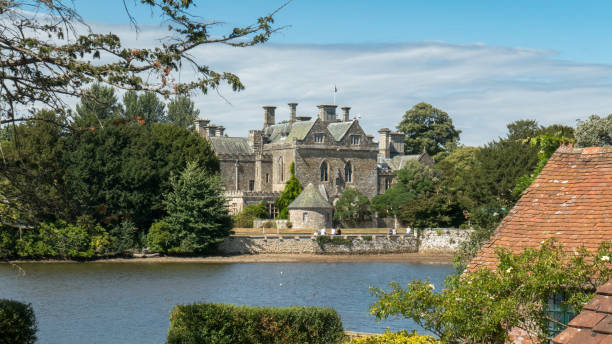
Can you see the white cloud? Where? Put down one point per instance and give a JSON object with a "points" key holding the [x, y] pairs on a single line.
{"points": [[482, 87]]}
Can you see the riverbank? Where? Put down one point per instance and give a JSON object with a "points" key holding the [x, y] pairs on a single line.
{"points": [[420, 258]]}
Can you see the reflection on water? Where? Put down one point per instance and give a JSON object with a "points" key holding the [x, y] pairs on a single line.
{"points": [[130, 303]]}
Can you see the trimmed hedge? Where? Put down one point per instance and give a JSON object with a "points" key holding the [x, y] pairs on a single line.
{"points": [[17, 323], [230, 324]]}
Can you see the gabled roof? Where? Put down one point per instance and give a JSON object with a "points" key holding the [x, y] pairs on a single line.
{"points": [[594, 324], [339, 129], [571, 200], [286, 131], [399, 161], [230, 145], [310, 198]]}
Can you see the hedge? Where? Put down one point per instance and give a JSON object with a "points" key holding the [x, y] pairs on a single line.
{"points": [[17, 323], [230, 324]]}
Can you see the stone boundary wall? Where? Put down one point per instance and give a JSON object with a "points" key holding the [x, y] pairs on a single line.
{"points": [[440, 240], [280, 224]]}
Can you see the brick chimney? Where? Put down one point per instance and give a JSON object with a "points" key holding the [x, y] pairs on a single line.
{"points": [[292, 112], [200, 124], [269, 115], [345, 113]]}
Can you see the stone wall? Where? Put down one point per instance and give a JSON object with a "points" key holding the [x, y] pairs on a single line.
{"points": [[431, 240], [442, 239]]}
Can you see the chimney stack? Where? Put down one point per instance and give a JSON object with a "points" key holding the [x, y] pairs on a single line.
{"points": [[327, 113], [383, 143], [292, 111], [200, 124], [269, 115], [345, 113], [220, 130]]}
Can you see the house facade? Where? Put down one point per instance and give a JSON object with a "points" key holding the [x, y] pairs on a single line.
{"points": [[329, 151]]}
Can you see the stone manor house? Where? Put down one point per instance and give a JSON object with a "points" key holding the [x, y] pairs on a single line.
{"points": [[328, 152]]}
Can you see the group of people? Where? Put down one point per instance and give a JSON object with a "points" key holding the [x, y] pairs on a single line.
{"points": [[393, 231], [332, 231]]}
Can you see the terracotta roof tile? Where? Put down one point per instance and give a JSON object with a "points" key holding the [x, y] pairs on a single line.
{"points": [[571, 201], [594, 324], [605, 289]]}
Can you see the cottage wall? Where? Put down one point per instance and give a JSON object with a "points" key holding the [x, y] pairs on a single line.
{"points": [[315, 218]]}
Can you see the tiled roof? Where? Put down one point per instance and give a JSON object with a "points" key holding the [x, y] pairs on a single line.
{"points": [[339, 129], [286, 131], [310, 198], [594, 324], [571, 200], [223, 145]]}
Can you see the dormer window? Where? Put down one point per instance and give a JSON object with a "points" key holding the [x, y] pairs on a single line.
{"points": [[355, 139], [318, 138]]}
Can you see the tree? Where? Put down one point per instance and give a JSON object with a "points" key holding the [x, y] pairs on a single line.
{"points": [[249, 213], [197, 211], [482, 306], [98, 104], [352, 209], [145, 107], [595, 131], [293, 188], [523, 129], [182, 112], [121, 171], [427, 128], [47, 52]]}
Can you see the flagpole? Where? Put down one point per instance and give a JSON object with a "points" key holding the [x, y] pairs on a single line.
{"points": [[335, 90]]}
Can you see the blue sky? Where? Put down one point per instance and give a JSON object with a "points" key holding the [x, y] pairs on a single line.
{"points": [[486, 63], [578, 30]]}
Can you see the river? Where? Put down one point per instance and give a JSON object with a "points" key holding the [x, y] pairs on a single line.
{"points": [[130, 302]]}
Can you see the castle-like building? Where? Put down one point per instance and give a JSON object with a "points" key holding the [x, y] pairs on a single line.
{"points": [[329, 152]]}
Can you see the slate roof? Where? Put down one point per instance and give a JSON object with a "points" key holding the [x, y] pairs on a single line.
{"points": [[230, 145], [310, 198], [399, 161], [594, 324], [286, 131], [339, 129], [571, 200]]}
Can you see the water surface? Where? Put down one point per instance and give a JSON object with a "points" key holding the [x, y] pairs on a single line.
{"points": [[130, 302]]}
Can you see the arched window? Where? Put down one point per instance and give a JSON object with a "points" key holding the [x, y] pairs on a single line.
{"points": [[324, 171], [348, 172], [281, 170]]}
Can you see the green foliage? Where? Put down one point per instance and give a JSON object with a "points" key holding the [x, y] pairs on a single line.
{"points": [[293, 188], [48, 58], [401, 337], [197, 211], [594, 132], [159, 237], [523, 129], [182, 112], [323, 240], [122, 171], [98, 104], [432, 210], [145, 106], [17, 323], [427, 128], [352, 209], [227, 324], [249, 213], [481, 306]]}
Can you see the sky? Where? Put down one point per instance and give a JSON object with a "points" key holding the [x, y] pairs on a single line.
{"points": [[486, 63]]}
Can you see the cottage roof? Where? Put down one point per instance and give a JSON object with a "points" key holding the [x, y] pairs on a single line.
{"points": [[310, 197], [339, 129], [223, 145], [571, 200], [594, 324]]}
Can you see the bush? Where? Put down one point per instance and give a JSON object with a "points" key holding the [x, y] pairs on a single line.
{"points": [[401, 337], [332, 240], [159, 237], [222, 323], [254, 211], [269, 224], [17, 323]]}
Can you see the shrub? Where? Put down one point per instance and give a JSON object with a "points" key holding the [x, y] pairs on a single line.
{"points": [[269, 224], [17, 323], [366, 237], [401, 337], [254, 211], [222, 323], [159, 237]]}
